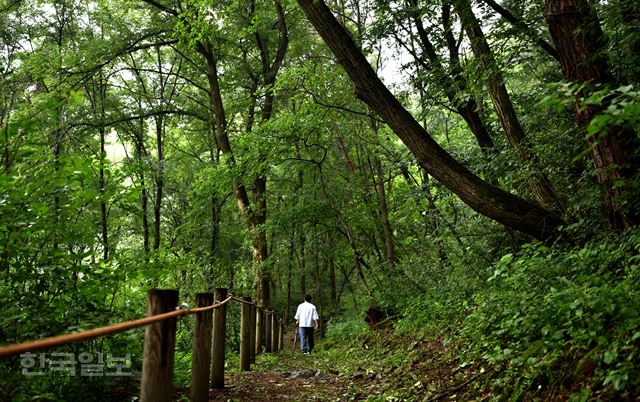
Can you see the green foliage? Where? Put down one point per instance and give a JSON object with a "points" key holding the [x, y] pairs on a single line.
{"points": [[546, 319], [548, 311], [344, 330], [131, 78]]}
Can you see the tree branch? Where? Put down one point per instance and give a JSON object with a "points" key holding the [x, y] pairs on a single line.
{"points": [[178, 112], [338, 107], [162, 7], [518, 23]]}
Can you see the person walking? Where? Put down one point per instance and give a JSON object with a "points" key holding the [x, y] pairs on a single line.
{"points": [[306, 320]]}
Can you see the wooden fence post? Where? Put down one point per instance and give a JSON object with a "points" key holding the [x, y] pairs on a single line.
{"points": [[281, 335], [274, 332], [267, 331], [201, 356], [218, 341], [259, 329], [252, 350], [245, 335], [159, 348]]}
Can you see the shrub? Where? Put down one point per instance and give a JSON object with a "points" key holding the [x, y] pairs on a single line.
{"points": [[569, 319]]}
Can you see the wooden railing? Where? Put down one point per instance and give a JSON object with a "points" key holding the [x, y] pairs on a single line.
{"points": [[259, 329]]}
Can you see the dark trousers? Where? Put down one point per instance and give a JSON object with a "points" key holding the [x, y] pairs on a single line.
{"points": [[306, 339]]}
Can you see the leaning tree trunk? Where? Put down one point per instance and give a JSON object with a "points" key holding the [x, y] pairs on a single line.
{"points": [[580, 42], [485, 198], [540, 185]]}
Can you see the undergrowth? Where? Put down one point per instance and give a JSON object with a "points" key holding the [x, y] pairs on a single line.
{"points": [[547, 323], [563, 322]]}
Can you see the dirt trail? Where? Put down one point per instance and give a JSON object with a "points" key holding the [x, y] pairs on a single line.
{"points": [[380, 366], [286, 376], [275, 386]]}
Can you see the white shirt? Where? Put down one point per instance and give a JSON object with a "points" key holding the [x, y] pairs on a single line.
{"points": [[305, 314]]}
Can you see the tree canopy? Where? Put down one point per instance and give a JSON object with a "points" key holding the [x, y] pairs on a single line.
{"points": [[444, 156]]}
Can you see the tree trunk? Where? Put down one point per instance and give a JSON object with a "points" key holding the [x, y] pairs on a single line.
{"points": [[144, 196], [332, 272], [205, 49], [214, 157], [140, 154], [270, 71], [432, 221], [259, 242], [159, 184], [292, 251], [5, 114], [260, 253], [301, 236], [431, 218], [303, 271], [540, 185], [577, 35], [215, 224], [384, 215], [256, 217], [97, 95], [488, 200], [57, 151], [344, 151], [103, 201], [316, 266]]}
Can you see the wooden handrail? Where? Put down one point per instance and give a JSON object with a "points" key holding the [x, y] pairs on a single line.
{"points": [[66, 339], [157, 371]]}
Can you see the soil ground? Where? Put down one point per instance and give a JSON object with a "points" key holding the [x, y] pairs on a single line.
{"points": [[284, 376], [417, 371]]}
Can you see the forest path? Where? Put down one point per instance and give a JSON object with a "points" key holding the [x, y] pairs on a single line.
{"points": [[287, 375], [377, 366]]}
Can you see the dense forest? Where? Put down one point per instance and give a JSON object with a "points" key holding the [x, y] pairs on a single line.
{"points": [[468, 167]]}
